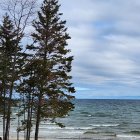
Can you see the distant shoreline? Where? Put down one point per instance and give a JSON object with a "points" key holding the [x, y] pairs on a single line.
{"points": [[108, 98]]}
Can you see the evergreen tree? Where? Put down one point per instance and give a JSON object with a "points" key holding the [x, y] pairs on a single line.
{"points": [[44, 87], [11, 61], [26, 88], [50, 65]]}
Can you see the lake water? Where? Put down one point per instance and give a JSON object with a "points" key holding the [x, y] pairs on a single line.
{"points": [[97, 120]]}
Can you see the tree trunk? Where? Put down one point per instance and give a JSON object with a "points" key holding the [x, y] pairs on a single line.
{"points": [[30, 119], [38, 117], [8, 113], [4, 108], [18, 123]]}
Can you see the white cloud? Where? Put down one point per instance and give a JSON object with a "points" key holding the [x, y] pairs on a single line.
{"points": [[105, 44], [105, 41]]}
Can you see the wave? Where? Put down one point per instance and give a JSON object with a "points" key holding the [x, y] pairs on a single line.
{"points": [[134, 132], [98, 114], [91, 132], [66, 128], [86, 114], [80, 128], [48, 123], [127, 136], [104, 125], [101, 114]]}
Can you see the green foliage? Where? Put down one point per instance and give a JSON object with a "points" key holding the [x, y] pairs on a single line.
{"points": [[11, 59], [53, 63], [41, 77]]}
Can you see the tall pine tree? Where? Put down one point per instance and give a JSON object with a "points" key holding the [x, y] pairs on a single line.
{"points": [[11, 61], [27, 91], [51, 66]]}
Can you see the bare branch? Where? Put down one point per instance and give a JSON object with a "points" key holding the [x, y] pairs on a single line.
{"points": [[21, 12]]}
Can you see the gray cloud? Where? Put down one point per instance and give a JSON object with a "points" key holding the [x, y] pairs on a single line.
{"points": [[105, 42]]}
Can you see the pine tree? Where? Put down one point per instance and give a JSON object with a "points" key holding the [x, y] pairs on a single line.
{"points": [[11, 61], [26, 88], [52, 66]]}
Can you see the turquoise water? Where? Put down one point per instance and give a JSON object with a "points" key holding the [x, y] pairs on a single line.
{"points": [[96, 119]]}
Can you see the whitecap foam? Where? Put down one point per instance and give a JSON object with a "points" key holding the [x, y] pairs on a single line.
{"points": [[50, 127], [65, 128], [127, 136], [104, 125], [80, 128]]}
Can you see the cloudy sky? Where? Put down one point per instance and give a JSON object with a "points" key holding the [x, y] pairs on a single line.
{"points": [[106, 47]]}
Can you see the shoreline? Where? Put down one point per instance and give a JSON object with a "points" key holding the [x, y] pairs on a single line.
{"points": [[100, 136]]}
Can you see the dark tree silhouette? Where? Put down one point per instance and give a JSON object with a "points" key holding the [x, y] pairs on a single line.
{"points": [[52, 65], [10, 53], [41, 76]]}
